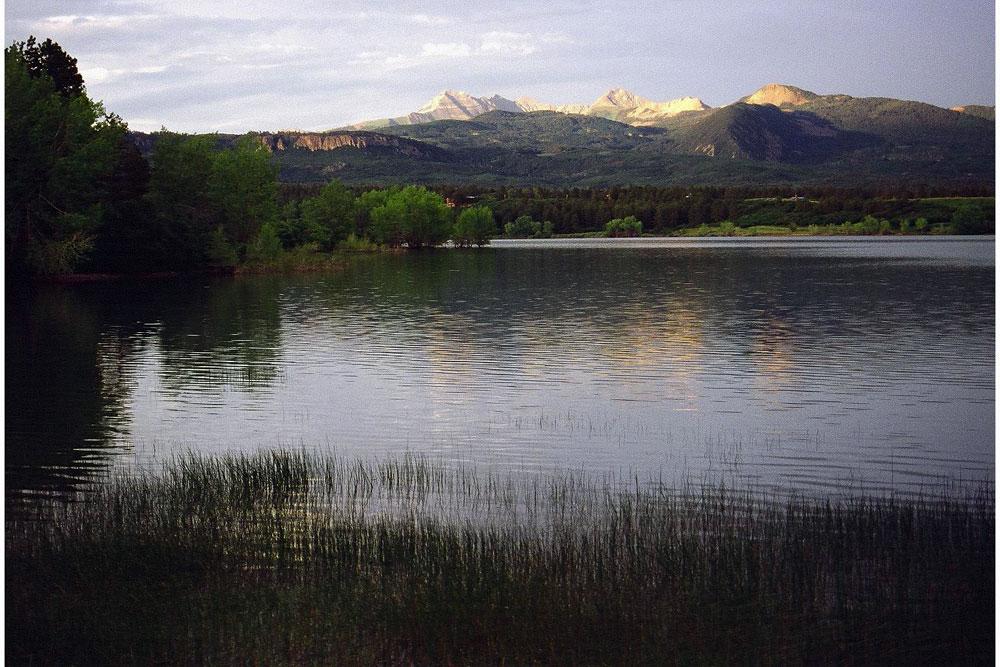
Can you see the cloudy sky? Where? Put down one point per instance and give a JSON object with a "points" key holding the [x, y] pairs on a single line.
{"points": [[204, 65]]}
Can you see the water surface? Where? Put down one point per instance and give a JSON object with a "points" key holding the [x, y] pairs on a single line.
{"points": [[821, 366]]}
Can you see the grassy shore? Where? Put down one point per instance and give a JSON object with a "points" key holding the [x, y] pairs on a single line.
{"points": [[294, 558]]}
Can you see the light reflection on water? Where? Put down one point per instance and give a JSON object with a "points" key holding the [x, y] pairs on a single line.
{"points": [[820, 366]]}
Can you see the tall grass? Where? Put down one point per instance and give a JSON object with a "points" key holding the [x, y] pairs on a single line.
{"points": [[295, 558]]}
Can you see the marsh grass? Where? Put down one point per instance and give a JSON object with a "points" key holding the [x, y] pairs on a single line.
{"points": [[297, 558]]}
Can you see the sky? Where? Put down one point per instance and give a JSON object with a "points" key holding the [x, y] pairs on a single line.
{"points": [[215, 65]]}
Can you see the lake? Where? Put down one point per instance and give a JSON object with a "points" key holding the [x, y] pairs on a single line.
{"points": [[824, 366]]}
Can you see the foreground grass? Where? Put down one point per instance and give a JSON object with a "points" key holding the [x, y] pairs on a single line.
{"points": [[291, 558]]}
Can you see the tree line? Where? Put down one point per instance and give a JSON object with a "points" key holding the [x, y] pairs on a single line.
{"points": [[667, 210], [664, 210]]}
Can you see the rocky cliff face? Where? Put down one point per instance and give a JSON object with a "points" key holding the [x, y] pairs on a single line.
{"points": [[330, 141], [278, 142], [528, 104]]}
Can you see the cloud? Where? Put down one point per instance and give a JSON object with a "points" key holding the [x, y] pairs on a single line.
{"points": [[429, 52], [555, 38], [94, 75], [72, 23], [513, 44], [381, 60], [425, 19], [508, 43], [446, 50]]}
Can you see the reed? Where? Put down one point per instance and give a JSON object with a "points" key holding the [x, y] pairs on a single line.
{"points": [[285, 558]]}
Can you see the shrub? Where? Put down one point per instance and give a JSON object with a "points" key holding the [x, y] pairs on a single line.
{"points": [[630, 226]]}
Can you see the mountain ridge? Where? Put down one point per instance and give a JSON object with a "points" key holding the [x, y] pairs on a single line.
{"points": [[616, 104], [777, 134], [626, 106]]}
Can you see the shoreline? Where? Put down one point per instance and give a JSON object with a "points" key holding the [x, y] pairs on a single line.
{"points": [[335, 260]]}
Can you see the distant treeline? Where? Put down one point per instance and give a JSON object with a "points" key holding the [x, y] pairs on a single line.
{"points": [[663, 210]]}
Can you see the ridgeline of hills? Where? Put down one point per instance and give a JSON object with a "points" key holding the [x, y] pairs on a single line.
{"points": [[778, 134]]}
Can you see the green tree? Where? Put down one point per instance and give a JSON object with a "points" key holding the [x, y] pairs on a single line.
{"points": [[267, 246], [523, 227], [181, 199], [413, 215], [244, 187], [127, 239], [333, 212], [968, 219], [60, 151], [49, 60], [218, 250], [474, 226], [629, 226], [870, 225], [363, 207], [293, 231]]}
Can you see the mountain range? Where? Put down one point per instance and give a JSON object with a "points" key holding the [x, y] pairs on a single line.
{"points": [[779, 134], [617, 104]]}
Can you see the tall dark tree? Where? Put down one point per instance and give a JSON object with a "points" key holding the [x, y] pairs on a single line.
{"points": [[180, 194], [49, 59], [128, 239], [60, 151]]}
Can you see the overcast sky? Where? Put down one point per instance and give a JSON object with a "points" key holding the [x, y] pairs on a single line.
{"points": [[205, 65]]}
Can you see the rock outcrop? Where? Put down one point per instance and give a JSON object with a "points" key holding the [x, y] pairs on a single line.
{"points": [[528, 104], [330, 141]]}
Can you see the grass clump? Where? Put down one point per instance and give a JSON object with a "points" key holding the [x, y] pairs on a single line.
{"points": [[302, 259], [354, 243], [287, 558]]}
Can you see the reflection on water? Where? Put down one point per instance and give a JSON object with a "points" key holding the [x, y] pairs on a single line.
{"points": [[822, 367]]}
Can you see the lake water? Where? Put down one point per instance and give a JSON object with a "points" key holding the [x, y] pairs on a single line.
{"points": [[818, 366]]}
